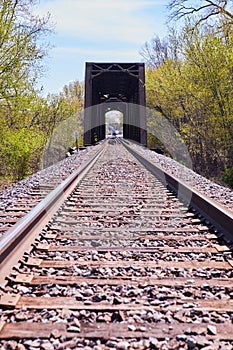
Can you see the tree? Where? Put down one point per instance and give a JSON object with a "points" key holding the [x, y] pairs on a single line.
{"points": [[205, 10], [193, 85], [21, 56], [195, 93], [22, 50], [155, 52], [63, 118]]}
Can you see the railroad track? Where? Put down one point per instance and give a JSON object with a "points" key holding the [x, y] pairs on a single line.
{"points": [[115, 260], [31, 191]]}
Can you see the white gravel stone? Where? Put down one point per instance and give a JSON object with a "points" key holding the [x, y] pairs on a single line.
{"points": [[123, 345]]}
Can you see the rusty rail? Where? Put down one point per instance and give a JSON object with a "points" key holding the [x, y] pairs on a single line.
{"points": [[24, 232], [217, 215]]}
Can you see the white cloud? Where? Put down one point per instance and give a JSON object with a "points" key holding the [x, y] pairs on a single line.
{"points": [[104, 20], [103, 54], [98, 31]]}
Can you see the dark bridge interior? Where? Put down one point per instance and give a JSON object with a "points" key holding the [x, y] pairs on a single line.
{"points": [[115, 86]]}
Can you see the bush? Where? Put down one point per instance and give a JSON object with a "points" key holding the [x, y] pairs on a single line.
{"points": [[228, 176], [19, 151]]}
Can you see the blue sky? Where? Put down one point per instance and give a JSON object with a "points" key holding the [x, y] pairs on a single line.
{"points": [[97, 31]]}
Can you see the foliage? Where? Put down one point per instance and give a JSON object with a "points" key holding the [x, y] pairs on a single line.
{"points": [[27, 120], [63, 119], [20, 52], [228, 176], [20, 66], [19, 152], [194, 91]]}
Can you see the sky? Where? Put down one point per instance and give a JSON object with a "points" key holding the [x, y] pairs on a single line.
{"points": [[97, 31]]}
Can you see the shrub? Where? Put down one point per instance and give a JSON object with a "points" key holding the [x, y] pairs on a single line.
{"points": [[228, 176]]}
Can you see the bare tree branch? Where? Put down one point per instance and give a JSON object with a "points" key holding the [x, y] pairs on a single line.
{"points": [[184, 8], [156, 52]]}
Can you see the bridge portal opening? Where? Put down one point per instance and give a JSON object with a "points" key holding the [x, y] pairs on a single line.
{"points": [[114, 123], [119, 87]]}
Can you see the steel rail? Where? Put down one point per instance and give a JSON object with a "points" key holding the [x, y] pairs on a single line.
{"points": [[220, 217], [20, 237]]}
